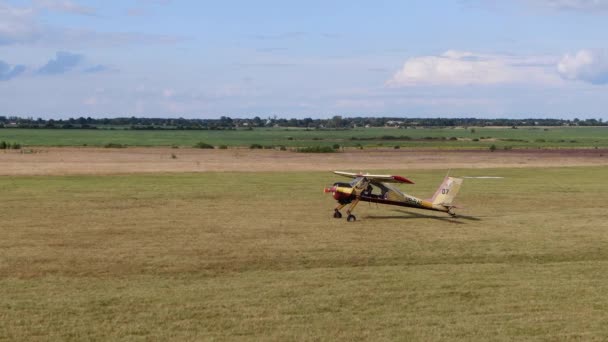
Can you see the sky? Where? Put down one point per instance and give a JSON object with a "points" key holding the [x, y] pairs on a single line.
{"points": [[296, 59]]}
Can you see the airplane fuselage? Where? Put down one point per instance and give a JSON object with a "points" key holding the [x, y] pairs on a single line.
{"points": [[378, 189], [346, 193]]}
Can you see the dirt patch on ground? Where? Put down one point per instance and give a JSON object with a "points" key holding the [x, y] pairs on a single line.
{"points": [[67, 161]]}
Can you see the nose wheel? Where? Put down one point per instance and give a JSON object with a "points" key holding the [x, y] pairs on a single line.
{"points": [[337, 214]]}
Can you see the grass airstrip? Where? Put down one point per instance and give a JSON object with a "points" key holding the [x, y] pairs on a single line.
{"points": [[258, 256]]}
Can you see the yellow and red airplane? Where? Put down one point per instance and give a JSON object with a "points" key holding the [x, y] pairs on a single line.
{"points": [[377, 189]]}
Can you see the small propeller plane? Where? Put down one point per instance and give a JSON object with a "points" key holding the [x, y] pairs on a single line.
{"points": [[377, 189]]}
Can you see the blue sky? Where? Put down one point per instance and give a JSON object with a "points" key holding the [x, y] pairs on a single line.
{"points": [[205, 59]]}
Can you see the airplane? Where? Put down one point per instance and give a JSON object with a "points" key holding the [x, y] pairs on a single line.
{"points": [[377, 189]]}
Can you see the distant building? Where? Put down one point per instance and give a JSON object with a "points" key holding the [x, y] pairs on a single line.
{"points": [[393, 123]]}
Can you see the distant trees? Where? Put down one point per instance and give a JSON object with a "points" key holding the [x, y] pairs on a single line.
{"points": [[229, 123], [336, 122], [257, 122]]}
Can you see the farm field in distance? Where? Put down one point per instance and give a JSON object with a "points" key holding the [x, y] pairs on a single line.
{"points": [[257, 255], [451, 138]]}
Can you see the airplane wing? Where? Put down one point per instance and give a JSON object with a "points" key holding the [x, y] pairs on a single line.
{"points": [[377, 178]]}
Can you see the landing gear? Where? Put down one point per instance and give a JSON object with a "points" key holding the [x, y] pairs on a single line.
{"points": [[350, 217], [451, 212], [337, 213]]}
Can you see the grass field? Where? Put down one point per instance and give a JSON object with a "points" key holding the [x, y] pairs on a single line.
{"points": [[525, 137], [258, 256]]}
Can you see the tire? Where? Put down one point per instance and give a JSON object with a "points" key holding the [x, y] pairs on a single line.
{"points": [[351, 218]]}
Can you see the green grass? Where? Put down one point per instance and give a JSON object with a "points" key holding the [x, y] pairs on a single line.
{"points": [[258, 256], [565, 137]]}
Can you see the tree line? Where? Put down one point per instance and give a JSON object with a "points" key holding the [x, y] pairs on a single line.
{"points": [[228, 123]]}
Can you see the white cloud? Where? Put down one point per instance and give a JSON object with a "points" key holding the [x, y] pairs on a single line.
{"points": [[586, 65], [459, 68]]}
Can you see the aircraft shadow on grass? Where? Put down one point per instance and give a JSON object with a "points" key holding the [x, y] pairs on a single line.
{"points": [[408, 215]]}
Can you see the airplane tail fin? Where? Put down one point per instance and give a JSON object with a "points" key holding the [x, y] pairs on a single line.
{"points": [[447, 191]]}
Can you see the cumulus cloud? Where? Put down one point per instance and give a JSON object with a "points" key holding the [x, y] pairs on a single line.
{"points": [[8, 72], [589, 66], [459, 68], [62, 63]]}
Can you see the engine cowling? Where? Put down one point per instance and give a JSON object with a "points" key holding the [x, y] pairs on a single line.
{"points": [[341, 192]]}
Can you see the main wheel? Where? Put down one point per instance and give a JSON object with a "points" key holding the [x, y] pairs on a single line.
{"points": [[351, 218], [337, 214]]}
